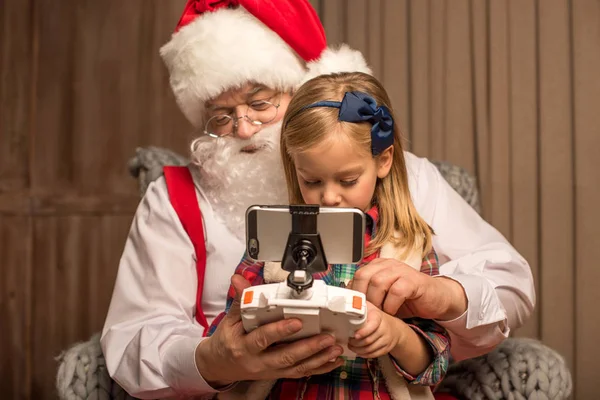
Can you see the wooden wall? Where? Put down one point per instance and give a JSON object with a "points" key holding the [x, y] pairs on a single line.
{"points": [[82, 86], [508, 89]]}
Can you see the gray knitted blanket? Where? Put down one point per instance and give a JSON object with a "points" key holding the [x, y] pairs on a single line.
{"points": [[518, 369], [82, 374]]}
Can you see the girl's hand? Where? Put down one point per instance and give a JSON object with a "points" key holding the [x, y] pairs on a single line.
{"points": [[380, 334]]}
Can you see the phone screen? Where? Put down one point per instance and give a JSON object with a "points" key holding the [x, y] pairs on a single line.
{"points": [[342, 232]]}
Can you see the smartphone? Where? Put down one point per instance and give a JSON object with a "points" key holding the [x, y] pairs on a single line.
{"points": [[342, 232]]}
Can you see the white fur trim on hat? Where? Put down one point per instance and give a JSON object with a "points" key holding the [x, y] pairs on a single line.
{"points": [[228, 48], [342, 59], [222, 50]]}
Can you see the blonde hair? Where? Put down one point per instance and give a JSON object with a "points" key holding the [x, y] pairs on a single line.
{"points": [[305, 128]]}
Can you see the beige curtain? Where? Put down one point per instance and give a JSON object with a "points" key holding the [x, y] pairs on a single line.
{"points": [[508, 89]]}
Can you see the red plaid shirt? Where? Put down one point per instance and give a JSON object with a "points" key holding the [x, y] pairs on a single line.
{"points": [[360, 378]]}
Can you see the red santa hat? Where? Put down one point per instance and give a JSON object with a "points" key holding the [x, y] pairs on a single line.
{"points": [[222, 44]]}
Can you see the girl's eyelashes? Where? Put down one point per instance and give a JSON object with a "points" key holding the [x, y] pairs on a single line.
{"points": [[345, 183], [310, 183], [351, 182]]}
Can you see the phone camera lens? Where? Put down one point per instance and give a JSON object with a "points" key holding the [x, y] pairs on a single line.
{"points": [[253, 248]]}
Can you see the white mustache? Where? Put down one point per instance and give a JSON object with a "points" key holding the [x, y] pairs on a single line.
{"points": [[205, 147]]}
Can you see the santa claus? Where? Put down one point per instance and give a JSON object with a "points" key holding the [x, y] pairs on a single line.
{"points": [[233, 67]]}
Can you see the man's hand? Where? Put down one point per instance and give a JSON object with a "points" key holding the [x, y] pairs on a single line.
{"points": [[232, 355], [399, 289]]}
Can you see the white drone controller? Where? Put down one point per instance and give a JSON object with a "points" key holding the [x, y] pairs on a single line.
{"points": [[321, 309]]}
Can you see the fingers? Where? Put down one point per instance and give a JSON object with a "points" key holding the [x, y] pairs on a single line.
{"points": [[372, 323], [405, 312], [239, 283], [376, 279], [401, 290], [327, 367], [378, 348], [264, 336], [292, 353], [302, 357], [365, 341], [234, 314], [363, 275], [380, 285], [319, 363]]}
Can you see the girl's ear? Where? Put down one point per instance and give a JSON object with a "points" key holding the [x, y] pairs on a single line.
{"points": [[384, 162]]}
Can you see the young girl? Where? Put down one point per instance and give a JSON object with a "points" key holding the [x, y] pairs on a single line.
{"points": [[340, 148]]}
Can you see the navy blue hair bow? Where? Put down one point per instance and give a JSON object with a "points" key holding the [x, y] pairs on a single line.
{"points": [[359, 107]]}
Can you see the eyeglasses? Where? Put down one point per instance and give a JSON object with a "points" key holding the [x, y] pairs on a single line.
{"points": [[258, 112]]}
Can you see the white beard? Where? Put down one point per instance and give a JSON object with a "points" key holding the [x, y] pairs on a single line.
{"points": [[233, 180]]}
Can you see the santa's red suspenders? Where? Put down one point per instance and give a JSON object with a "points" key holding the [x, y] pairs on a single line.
{"points": [[182, 193]]}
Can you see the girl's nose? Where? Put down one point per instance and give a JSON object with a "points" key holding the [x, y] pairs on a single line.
{"points": [[330, 198]]}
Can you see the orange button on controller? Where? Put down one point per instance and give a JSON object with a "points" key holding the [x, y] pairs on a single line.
{"points": [[248, 296], [357, 302]]}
